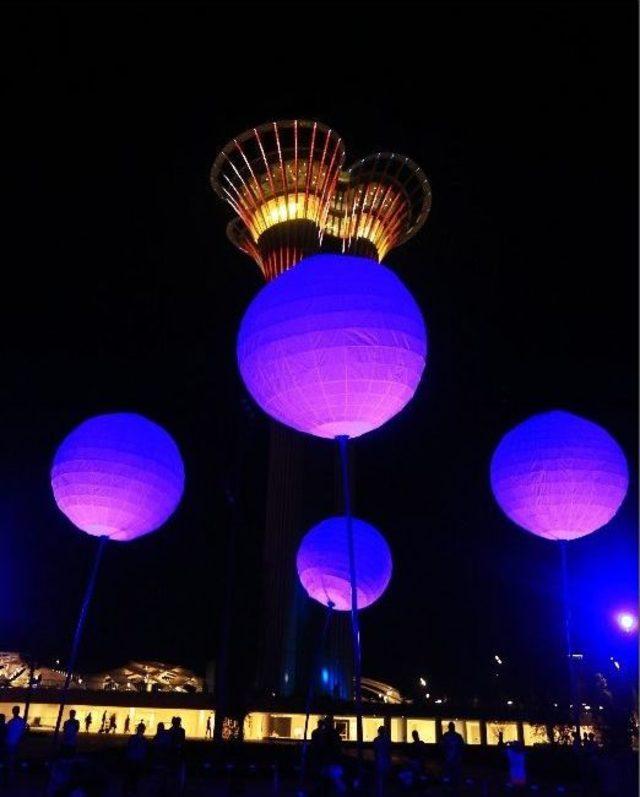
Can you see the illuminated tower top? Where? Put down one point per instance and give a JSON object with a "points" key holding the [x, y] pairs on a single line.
{"points": [[286, 184], [380, 202], [280, 179]]}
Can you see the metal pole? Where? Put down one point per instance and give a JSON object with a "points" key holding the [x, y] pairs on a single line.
{"points": [[71, 665], [574, 714], [315, 667], [27, 705], [343, 441], [232, 486], [222, 664]]}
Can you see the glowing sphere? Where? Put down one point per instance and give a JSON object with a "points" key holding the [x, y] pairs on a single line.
{"points": [[119, 476], [334, 346], [559, 476], [323, 563]]}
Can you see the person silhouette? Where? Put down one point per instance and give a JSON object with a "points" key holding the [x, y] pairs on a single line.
{"points": [[177, 737], [103, 724], [87, 722], [452, 745], [113, 725], [208, 732], [136, 759], [317, 747], [175, 753], [14, 732], [417, 754], [3, 744], [160, 744], [70, 731], [382, 759], [127, 723], [516, 761]]}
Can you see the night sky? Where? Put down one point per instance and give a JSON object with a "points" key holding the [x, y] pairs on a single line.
{"points": [[121, 292]]}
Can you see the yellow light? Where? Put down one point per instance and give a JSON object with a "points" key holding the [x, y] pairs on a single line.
{"points": [[280, 209]]}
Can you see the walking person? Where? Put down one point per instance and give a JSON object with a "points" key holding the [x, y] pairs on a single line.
{"points": [[127, 723], [70, 731], [103, 724], [175, 749], [208, 734], [3, 748], [452, 746], [517, 765], [317, 749], [113, 725], [417, 756], [15, 730], [333, 771], [160, 784], [87, 722], [136, 755], [382, 759]]}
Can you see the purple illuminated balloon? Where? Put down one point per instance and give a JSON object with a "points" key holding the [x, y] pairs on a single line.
{"points": [[119, 476], [323, 563], [334, 346], [559, 476]]}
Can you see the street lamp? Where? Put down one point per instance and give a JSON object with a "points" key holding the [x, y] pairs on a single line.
{"points": [[627, 622]]}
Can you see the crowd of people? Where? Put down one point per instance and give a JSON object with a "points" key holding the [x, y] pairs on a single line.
{"points": [[327, 765], [158, 760]]}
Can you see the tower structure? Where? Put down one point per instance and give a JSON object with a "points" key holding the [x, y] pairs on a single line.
{"points": [[280, 180], [379, 203], [292, 197]]}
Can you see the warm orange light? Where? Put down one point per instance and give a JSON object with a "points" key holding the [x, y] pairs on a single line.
{"points": [[284, 180], [379, 202], [280, 179], [281, 209]]}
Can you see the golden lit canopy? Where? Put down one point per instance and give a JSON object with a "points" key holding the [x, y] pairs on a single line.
{"points": [[292, 197]]}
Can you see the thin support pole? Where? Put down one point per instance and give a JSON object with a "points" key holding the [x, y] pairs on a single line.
{"points": [[27, 705], [71, 665], [221, 685], [232, 488], [574, 713], [315, 668], [343, 442]]}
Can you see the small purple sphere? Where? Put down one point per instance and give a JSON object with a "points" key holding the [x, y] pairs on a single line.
{"points": [[323, 563], [119, 476], [559, 476], [335, 346]]}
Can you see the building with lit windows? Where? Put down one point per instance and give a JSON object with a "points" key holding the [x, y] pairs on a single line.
{"points": [[153, 692]]}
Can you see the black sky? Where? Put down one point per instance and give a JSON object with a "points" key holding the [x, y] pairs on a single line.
{"points": [[121, 291]]}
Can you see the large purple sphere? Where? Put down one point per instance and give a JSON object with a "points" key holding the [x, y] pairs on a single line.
{"points": [[559, 475], [323, 563], [119, 476], [334, 346]]}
